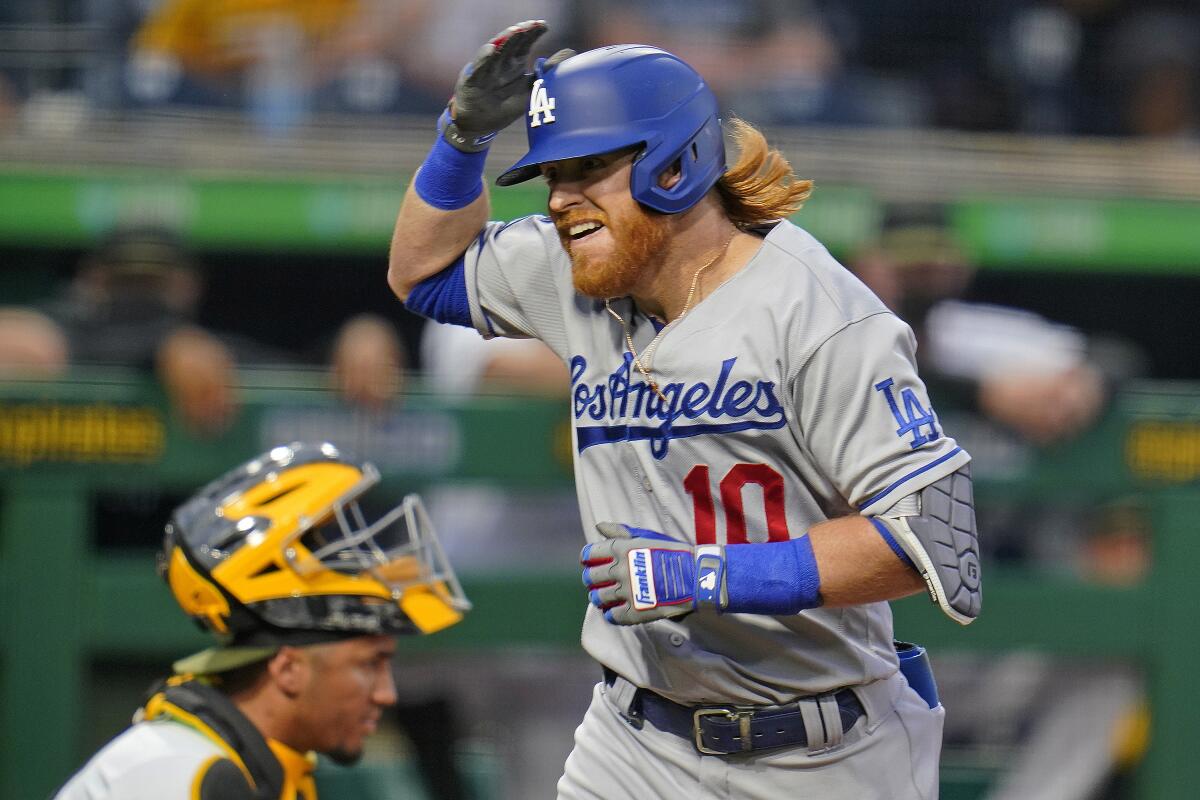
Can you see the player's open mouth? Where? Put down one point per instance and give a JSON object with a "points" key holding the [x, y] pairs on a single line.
{"points": [[581, 230]]}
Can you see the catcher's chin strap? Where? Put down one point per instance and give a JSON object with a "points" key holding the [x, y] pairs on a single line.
{"points": [[935, 529], [208, 711]]}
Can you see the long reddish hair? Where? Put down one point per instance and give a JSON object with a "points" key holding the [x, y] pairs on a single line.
{"points": [[761, 186]]}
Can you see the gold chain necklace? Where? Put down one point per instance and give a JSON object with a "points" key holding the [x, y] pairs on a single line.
{"points": [[643, 362]]}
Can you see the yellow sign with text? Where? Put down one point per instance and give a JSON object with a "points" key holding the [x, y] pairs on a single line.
{"points": [[1164, 450], [80, 434]]}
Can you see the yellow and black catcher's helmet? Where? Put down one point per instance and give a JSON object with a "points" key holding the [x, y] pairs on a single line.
{"points": [[277, 551]]}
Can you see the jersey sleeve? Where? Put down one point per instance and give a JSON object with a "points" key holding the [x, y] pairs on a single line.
{"points": [[865, 415], [515, 281]]}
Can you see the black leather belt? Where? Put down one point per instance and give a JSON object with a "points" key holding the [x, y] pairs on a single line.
{"points": [[729, 729]]}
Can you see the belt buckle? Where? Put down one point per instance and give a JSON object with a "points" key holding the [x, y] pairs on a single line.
{"points": [[742, 716]]}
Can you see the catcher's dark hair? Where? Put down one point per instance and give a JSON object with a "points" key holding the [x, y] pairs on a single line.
{"points": [[240, 679]]}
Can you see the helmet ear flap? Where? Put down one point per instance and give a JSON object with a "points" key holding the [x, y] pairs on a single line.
{"points": [[196, 594], [701, 162]]}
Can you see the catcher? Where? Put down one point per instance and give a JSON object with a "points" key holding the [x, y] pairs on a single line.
{"points": [[306, 600]]}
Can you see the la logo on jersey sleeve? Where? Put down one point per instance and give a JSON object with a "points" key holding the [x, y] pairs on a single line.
{"points": [[541, 105], [913, 419]]}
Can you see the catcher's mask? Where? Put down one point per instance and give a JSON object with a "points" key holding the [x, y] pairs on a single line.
{"points": [[620, 96], [278, 551]]}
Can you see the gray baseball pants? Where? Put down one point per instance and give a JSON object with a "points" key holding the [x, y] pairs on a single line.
{"points": [[891, 753]]}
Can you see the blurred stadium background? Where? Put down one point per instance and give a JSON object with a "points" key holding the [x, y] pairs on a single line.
{"points": [[1055, 141]]}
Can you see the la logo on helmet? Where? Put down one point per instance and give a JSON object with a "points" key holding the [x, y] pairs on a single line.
{"points": [[541, 105]]}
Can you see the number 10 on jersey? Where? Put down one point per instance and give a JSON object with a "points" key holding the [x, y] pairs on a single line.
{"points": [[698, 484]]}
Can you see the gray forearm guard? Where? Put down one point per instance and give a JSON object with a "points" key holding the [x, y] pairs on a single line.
{"points": [[937, 530]]}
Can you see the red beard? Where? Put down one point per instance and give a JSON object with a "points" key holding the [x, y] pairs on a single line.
{"points": [[638, 240]]}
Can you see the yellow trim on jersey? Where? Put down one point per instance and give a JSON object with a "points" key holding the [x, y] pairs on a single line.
{"points": [[198, 781], [297, 771], [159, 706]]}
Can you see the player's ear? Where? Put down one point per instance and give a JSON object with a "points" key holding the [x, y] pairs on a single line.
{"points": [[671, 175], [290, 669]]}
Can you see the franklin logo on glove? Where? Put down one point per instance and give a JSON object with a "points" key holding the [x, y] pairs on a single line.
{"points": [[639, 570]]}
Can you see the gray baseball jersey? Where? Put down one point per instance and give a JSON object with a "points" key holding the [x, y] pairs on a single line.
{"points": [[791, 397]]}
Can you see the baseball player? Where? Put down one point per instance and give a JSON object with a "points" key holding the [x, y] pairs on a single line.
{"points": [[758, 466], [306, 599]]}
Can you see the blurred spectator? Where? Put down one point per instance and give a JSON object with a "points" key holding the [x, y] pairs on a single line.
{"points": [[937, 49], [717, 37], [113, 23], [799, 75], [1154, 57], [434, 54], [367, 362], [134, 301], [1113, 67], [1011, 381], [1061, 729], [483, 525], [1038, 54], [1043, 383], [770, 62], [279, 59], [458, 361], [1116, 551], [31, 343], [490, 530], [9, 103], [1027, 373]]}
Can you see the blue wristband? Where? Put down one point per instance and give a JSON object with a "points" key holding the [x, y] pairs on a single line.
{"points": [[450, 179], [772, 577]]}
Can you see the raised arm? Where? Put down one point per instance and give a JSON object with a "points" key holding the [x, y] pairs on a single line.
{"points": [[446, 205], [427, 239]]}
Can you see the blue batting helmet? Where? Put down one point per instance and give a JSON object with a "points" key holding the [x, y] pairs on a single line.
{"points": [[621, 96]]}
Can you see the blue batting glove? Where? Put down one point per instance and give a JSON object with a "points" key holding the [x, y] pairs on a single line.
{"points": [[636, 575]]}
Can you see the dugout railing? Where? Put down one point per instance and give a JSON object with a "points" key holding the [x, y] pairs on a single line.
{"points": [[65, 603]]}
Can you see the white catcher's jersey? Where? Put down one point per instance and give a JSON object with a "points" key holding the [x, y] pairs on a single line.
{"points": [[792, 397], [154, 760]]}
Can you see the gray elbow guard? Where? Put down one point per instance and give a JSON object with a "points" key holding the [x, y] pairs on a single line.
{"points": [[938, 533]]}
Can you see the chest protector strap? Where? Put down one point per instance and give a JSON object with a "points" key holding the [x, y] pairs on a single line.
{"points": [[210, 712]]}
